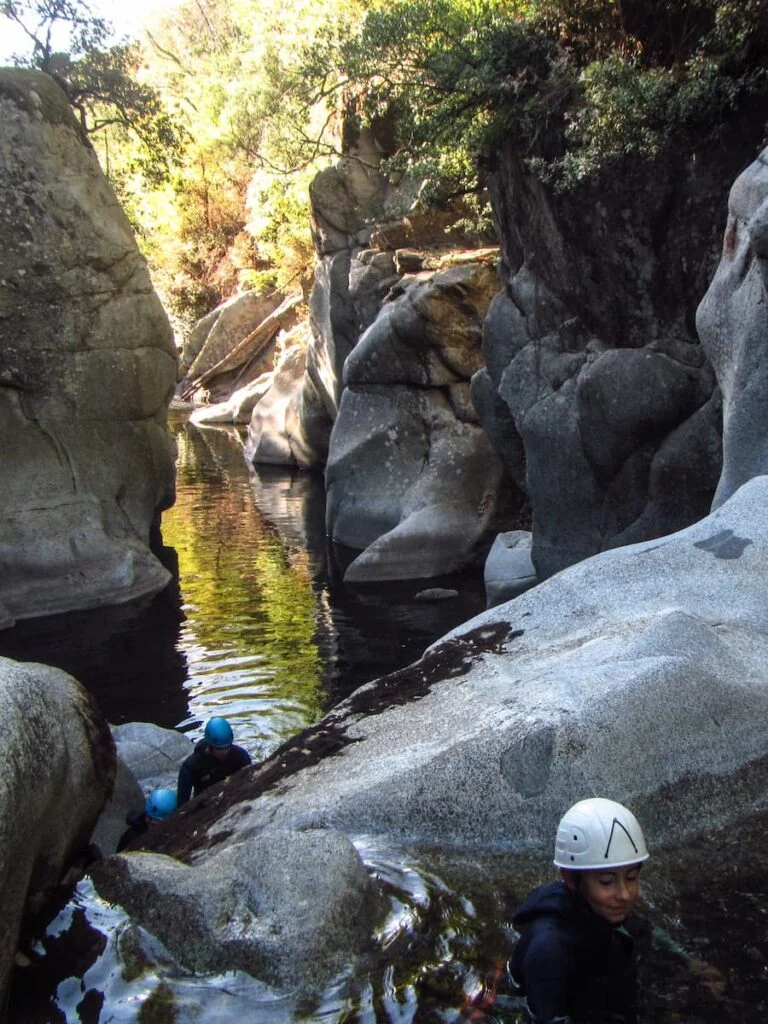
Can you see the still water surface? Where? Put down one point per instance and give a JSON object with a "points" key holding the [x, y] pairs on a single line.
{"points": [[259, 626]]}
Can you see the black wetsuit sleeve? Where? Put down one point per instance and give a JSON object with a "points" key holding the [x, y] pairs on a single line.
{"points": [[138, 826], [542, 967], [184, 785], [245, 757]]}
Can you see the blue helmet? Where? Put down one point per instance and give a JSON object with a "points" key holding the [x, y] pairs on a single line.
{"points": [[218, 733], [160, 803]]}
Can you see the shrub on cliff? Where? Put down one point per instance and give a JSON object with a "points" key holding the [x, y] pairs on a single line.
{"points": [[574, 83]]}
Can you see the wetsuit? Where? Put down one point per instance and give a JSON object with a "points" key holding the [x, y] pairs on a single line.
{"points": [[201, 769], [570, 964], [138, 825]]}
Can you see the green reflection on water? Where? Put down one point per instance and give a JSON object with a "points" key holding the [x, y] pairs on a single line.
{"points": [[251, 611]]}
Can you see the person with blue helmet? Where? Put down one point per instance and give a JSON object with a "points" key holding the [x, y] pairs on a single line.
{"points": [[215, 757], [159, 805]]}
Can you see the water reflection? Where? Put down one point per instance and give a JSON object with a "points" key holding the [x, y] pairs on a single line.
{"points": [[257, 622], [249, 607]]}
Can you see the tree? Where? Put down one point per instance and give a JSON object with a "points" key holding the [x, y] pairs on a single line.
{"points": [[48, 22], [575, 84], [101, 82]]}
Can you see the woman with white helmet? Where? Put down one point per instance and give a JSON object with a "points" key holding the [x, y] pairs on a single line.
{"points": [[576, 958]]}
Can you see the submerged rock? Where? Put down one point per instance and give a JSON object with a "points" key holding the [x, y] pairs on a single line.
{"points": [[87, 369]]}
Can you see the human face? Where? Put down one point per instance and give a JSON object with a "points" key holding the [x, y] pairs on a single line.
{"points": [[612, 894], [221, 753]]}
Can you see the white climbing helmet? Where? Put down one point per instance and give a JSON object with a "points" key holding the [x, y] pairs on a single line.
{"points": [[599, 833]]}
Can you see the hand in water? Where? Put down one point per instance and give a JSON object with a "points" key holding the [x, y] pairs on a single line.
{"points": [[713, 980]]}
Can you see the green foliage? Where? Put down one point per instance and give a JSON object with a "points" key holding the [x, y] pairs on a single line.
{"points": [[213, 129], [571, 84]]}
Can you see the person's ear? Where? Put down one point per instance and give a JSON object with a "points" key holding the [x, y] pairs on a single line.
{"points": [[569, 877]]}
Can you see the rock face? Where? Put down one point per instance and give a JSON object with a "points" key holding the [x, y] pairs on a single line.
{"points": [[732, 326], [289, 907], [288, 425], [360, 222], [596, 393], [87, 368], [148, 757], [58, 767], [411, 476], [235, 344]]}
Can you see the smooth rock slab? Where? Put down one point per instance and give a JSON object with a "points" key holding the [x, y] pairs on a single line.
{"points": [[638, 674]]}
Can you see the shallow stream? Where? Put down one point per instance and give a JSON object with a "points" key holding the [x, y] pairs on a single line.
{"points": [[259, 626]]}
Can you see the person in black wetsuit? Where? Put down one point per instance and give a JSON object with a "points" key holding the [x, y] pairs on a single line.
{"points": [[215, 758], [159, 805], [576, 958]]}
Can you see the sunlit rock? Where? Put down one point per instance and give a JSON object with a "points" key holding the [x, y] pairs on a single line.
{"points": [[732, 325], [238, 408], [288, 425], [234, 345], [57, 769], [87, 368]]}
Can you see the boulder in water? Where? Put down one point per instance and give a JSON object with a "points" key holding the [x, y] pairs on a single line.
{"points": [[57, 769]]}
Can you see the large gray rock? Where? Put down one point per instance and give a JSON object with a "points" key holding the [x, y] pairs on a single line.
{"points": [[220, 331], [152, 754], [732, 326], [87, 368], [291, 908], [638, 674], [288, 425], [57, 767], [596, 392], [508, 569], [411, 476]]}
